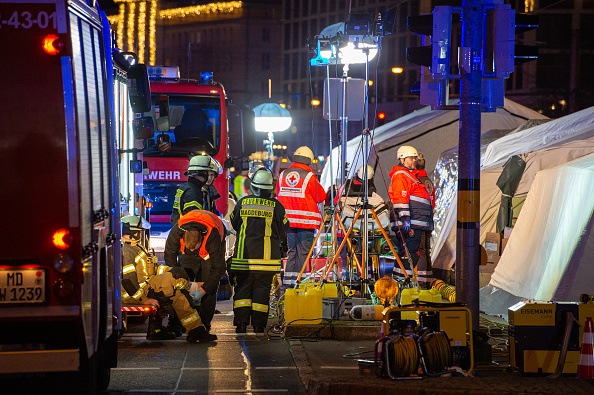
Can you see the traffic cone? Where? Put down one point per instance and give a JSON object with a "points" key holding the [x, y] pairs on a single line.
{"points": [[585, 368]]}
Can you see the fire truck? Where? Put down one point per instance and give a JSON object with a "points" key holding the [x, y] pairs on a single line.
{"points": [[64, 92], [191, 119]]}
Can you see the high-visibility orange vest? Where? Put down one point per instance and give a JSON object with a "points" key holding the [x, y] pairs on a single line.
{"points": [[209, 220]]}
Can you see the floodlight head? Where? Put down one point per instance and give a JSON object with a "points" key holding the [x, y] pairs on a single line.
{"points": [[334, 47], [271, 117]]}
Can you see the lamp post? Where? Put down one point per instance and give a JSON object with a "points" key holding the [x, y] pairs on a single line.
{"points": [[270, 118]]}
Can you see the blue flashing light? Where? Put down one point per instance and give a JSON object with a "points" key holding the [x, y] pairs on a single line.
{"points": [[297, 95], [206, 77]]}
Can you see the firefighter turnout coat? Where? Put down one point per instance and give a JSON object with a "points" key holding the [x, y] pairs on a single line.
{"points": [[261, 224], [188, 197], [300, 192], [143, 279], [410, 199]]}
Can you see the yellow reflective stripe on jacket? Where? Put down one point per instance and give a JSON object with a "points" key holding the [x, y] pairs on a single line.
{"points": [[242, 303], [260, 307], [241, 237], [140, 291], [267, 234], [128, 269], [193, 203], [163, 269], [141, 257]]}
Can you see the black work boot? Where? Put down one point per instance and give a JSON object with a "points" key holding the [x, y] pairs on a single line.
{"points": [[241, 327], [156, 331], [259, 330], [201, 335], [174, 325]]}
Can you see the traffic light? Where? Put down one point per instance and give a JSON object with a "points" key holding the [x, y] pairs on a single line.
{"points": [[434, 55], [500, 52], [436, 30], [524, 23], [381, 118]]}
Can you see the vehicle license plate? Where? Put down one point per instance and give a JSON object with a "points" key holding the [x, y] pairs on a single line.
{"points": [[22, 286]]}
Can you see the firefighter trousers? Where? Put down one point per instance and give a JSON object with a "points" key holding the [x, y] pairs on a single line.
{"points": [[198, 269], [418, 244], [164, 285], [252, 297]]}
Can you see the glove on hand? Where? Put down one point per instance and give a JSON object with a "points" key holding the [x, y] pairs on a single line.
{"points": [[196, 296], [407, 226]]}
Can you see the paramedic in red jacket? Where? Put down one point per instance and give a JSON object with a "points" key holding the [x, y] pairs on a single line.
{"points": [[413, 207], [299, 192]]}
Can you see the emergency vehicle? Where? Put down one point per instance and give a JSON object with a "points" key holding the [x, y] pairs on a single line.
{"points": [[191, 119], [63, 95]]}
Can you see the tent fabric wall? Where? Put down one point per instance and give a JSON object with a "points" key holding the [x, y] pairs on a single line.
{"points": [[551, 244], [430, 132], [444, 248], [568, 138]]}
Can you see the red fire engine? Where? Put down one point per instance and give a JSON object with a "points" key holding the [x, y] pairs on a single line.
{"points": [[191, 119], [62, 91]]}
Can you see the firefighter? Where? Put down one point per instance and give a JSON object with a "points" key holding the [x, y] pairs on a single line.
{"points": [[209, 192], [146, 282], [261, 224], [299, 192], [202, 257], [413, 208], [189, 196]]}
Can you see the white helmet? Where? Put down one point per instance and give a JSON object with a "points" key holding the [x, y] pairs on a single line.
{"points": [[199, 163], [361, 172], [216, 166], [262, 180], [304, 153], [405, 151], [132, 224]]}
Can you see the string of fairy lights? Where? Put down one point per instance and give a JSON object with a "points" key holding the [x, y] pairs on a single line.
{"points": [[131, 22]]}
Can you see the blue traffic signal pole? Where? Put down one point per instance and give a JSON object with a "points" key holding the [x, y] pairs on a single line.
{"points": [[468, 224]]}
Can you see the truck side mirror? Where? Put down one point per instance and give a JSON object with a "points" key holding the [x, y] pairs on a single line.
{"points": [[139, 88], [144, 128]]}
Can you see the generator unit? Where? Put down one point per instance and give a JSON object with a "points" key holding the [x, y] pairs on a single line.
{"points": [[455, 321], [537, 335]]}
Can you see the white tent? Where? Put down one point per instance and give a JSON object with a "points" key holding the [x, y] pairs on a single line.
{"points": [[544, 146], [550, 253], [430, 132]]}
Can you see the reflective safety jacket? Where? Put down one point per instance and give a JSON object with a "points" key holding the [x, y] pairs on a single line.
{"points": [[188, 197], [410, 199], [139, 267], [212, 248], [261, 224], [422, 176], [300, 192]]}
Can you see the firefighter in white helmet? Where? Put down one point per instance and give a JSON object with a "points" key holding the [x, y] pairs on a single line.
{"points": [[146, 282], [413, 208], [261, 225], [300, 192], [190, 196]]}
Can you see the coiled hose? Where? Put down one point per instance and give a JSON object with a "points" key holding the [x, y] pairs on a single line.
{"points": [[436, 352], [447, 291], [406, 356]]}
